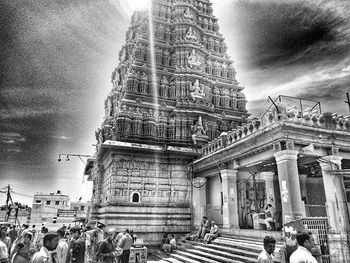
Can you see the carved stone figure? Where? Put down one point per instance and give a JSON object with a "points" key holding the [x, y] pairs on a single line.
{"points": [[191, 35], [195, 60], [197, 91], [199, 131]]}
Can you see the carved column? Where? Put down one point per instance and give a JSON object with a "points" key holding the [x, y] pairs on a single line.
{"points": [[199, 199], [287, 167], [336, 208], [229, 191]]}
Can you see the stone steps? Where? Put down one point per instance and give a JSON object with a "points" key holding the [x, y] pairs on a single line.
{"points": [[222, 253], [224, 249]]}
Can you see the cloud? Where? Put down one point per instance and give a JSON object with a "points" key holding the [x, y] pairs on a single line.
{"points": [[283, 33], [346, 69]]}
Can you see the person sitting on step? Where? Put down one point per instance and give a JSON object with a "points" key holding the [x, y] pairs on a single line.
{"points": [[214, 232], [170, 247], [203, 228]]}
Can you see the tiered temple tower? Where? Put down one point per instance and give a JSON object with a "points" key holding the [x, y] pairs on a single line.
{"points": [[174, 89]]}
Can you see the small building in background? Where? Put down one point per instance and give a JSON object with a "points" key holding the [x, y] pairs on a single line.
{"points": [[46, 206]]}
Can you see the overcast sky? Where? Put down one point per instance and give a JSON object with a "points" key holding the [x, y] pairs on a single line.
{"points": [[57, 58]]}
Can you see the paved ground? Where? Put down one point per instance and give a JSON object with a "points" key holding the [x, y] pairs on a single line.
{"points": [[152, 259]]}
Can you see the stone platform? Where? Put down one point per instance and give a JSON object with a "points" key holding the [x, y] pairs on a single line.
{"points": [[144, 188]]}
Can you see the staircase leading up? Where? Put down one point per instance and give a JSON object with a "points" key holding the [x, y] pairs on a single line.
{"points": [[224, 249]]}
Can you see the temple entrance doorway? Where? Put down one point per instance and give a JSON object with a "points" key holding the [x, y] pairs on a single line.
{"points": [[251, 200]]}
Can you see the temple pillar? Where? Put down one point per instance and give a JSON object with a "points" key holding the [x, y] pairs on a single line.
{"points": [[199, 200], [287, 167], [268, 177], [229, 192], [336, 208], [302, 180]]}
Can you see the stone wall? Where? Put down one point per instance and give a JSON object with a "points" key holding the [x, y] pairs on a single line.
{"points": [[148, 193]]}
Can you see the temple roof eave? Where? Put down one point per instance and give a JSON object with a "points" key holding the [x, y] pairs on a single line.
{"points": [[249, 145], [262, 140]]}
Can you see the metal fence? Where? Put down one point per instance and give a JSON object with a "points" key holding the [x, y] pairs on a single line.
{"points": [[318, 226]]}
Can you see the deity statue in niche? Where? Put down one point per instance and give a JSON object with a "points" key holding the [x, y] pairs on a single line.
{"points": [[195, 60], [116, 77], [197, 91], [191, 35], [108, 107], [199, 132], [188, 14]]}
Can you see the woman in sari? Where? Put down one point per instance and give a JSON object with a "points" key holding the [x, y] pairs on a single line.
{"points": [[23, 251]]}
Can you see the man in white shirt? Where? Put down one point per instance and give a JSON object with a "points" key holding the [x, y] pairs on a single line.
{"points": [[303, 253], [62, 248], [3, 252], [45, 254], [125, 244], [214, 232], [269, 247]]}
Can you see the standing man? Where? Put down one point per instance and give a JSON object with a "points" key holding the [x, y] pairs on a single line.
{"points": [[40, 237], [13, 233], [78, 246], [269, 247], [33, 231], [303, 253], [62, 248], [3, 252], [270, 212], [106, 248], [45, 254], [125, 244], [5, 239]]}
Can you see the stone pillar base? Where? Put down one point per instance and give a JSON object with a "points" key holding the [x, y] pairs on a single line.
{"points": [[338, 248]]}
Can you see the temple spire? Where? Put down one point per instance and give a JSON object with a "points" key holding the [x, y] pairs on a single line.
{"points": [[194, 77]]}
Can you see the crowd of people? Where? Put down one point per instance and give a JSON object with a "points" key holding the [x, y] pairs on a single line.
{"points": [[66, 245]]}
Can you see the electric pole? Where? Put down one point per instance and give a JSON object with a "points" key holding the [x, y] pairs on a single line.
{"points": [[348, 100], [8, 199]]}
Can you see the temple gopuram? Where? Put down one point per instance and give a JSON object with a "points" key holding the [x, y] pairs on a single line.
{"points": [[177, 143], [174, 90]]}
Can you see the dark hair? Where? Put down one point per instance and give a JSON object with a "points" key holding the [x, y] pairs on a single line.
{"points": [[173, 236], [26, 226], [302, 237], [44, 230], [49, 237], [61, 232], [269, 240], [268, 205], [205, 217], [33, 226], [29, 235], [127, 230], [75, 230], [20, 245]]}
